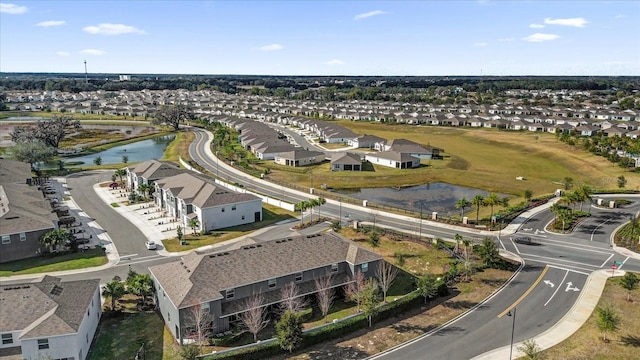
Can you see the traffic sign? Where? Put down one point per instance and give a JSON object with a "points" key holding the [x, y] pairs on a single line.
{"points": [[614, 266], [618, 263]]}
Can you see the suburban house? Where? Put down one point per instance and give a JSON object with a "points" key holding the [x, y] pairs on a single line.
{"points": [[299, 157], [365, 141], [149, 171], [409, 147], [188, 196], [220, 283], [345, 161], [25, 214], [49, 319], [393, 159]]}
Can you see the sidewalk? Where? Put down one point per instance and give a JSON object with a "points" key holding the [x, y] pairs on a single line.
{"points": [[569, 324]]}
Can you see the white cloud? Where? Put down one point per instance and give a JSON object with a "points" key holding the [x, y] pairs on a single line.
{"points": [[335, 62], [536, 26], [112, 29], [94, 52], [620, 16], [539, 37], [575, 22], [12, 9], [369, 14], [62, 53], [480, 44], [272, 47], [50, 23], [506, 39]]}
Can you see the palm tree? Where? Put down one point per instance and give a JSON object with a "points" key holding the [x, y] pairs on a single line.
{"points": [[141, 285], [462, 204], [301, 206], [477, 201], [115, 290], [458, 239], [491, 201], [583, 193], [311, 203], [320, 201], [56, 237], [193, 224], [120, 173], [528, 194]]}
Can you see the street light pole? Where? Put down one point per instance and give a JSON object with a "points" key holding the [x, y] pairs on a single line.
{"points": [[420, 231], [217, 164], [513, 330], [340, 213]]}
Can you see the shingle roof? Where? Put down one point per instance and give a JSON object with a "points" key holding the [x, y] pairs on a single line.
{"points": [[203, 277], [40, 311], [299, 154], [346, 158], [393, 155]]}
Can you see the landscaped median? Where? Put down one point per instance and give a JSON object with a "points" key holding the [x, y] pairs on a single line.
{"points": [[53, 263]]}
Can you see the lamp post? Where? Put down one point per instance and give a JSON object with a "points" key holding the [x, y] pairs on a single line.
{"points": [[513, 330], [217, 164], [420, 226], [340, 212]]}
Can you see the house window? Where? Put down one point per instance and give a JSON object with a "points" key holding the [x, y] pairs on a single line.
{"points": [[43, 344], [206, 307], [299, 277], [364, 267], [242, 217], [169, 317], [23, 236], [88, 311], [231, 293], [272, 283], [6, 239], [233, 208], [334, 268], [7, 339], [222, 209]]}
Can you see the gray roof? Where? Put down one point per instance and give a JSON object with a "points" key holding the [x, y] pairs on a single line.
{"points": [[393, 155], [346, 158], [200, 278], [12, 171], [153, 170], [299, 154], [40, 311]]}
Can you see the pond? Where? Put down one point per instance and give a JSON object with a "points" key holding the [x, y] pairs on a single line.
{"points": [[438, 197], [138, 151]]}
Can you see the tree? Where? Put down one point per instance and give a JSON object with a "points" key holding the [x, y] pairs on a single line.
{"points": [[629, 282], [319, 202], [114, 290], [97, 161], [49, 131], [607, 320], [462, 204], [255, 315], [179, 233], [528, 194], [312, 203], [467, 259], [120, 173], [324, 295], [477, 201], [583, 193], [567, 182], [125, 159], [193, 224], [173, 116], [189, 352], [374, 238], [491, 201], [427, 286], [369, 300], [141, 285], [531, 350], [198, 318], [144, 188], [32, 152], [291, 299], [353, 290], [489, 253], [622, 181], [301, 206], [289, 331], [55, 238], [386, 274]]}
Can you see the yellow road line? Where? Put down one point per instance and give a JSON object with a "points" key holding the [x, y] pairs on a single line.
{"points": [[544, 271]]}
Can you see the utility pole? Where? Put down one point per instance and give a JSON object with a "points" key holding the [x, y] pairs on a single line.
{"points": [[86, 77], [420, 227]]}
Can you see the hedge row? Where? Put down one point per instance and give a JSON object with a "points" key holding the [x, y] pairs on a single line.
{"points": [[331, 331]]}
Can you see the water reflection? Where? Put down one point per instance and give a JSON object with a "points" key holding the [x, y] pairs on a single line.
{"points": [[438, 197]]}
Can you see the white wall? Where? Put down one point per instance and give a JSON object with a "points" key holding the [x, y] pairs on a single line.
{"points": [[61, 346], [215, 218]]}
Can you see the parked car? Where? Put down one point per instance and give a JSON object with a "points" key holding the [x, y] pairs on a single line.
{"points": [[50, 192], [151, 245]]}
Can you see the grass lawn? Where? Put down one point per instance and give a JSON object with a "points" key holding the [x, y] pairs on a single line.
{"points": [[486, 159], [41, 264], [179, 147], [270, 215], [78, 116], [587, 342]]}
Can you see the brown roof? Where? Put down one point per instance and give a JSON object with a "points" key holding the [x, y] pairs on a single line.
{"points": [[46, 308], [203, 277], [24, 209], [201, 192]]}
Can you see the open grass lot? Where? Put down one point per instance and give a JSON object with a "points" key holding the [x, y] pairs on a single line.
{"points": [[270, 215], [587, 342], [486, 159], [179, 147], [42, 264]]}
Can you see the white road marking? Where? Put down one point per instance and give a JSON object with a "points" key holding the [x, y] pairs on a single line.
{"points": [[561, 266], [514, 245], [571, 287], [623, 261], [604, 263], [561, 260], [558, 288], [594, 230], [501, 243], [549, 283], [580, 246]]}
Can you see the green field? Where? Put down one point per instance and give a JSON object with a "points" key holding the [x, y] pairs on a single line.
{"points": [[42, 264], [486, 159]]}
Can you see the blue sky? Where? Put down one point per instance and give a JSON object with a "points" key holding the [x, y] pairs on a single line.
{"points": [[322, 37]]}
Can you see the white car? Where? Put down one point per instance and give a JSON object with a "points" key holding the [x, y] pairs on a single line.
{"points": [[151, 245]]}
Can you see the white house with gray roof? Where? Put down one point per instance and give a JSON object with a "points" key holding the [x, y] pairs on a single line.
{"points": [[149, 171], [49, 319], [187, 196], [221, 282]]}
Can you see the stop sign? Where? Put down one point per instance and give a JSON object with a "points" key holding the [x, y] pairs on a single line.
{"points": [[613, 267]]}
